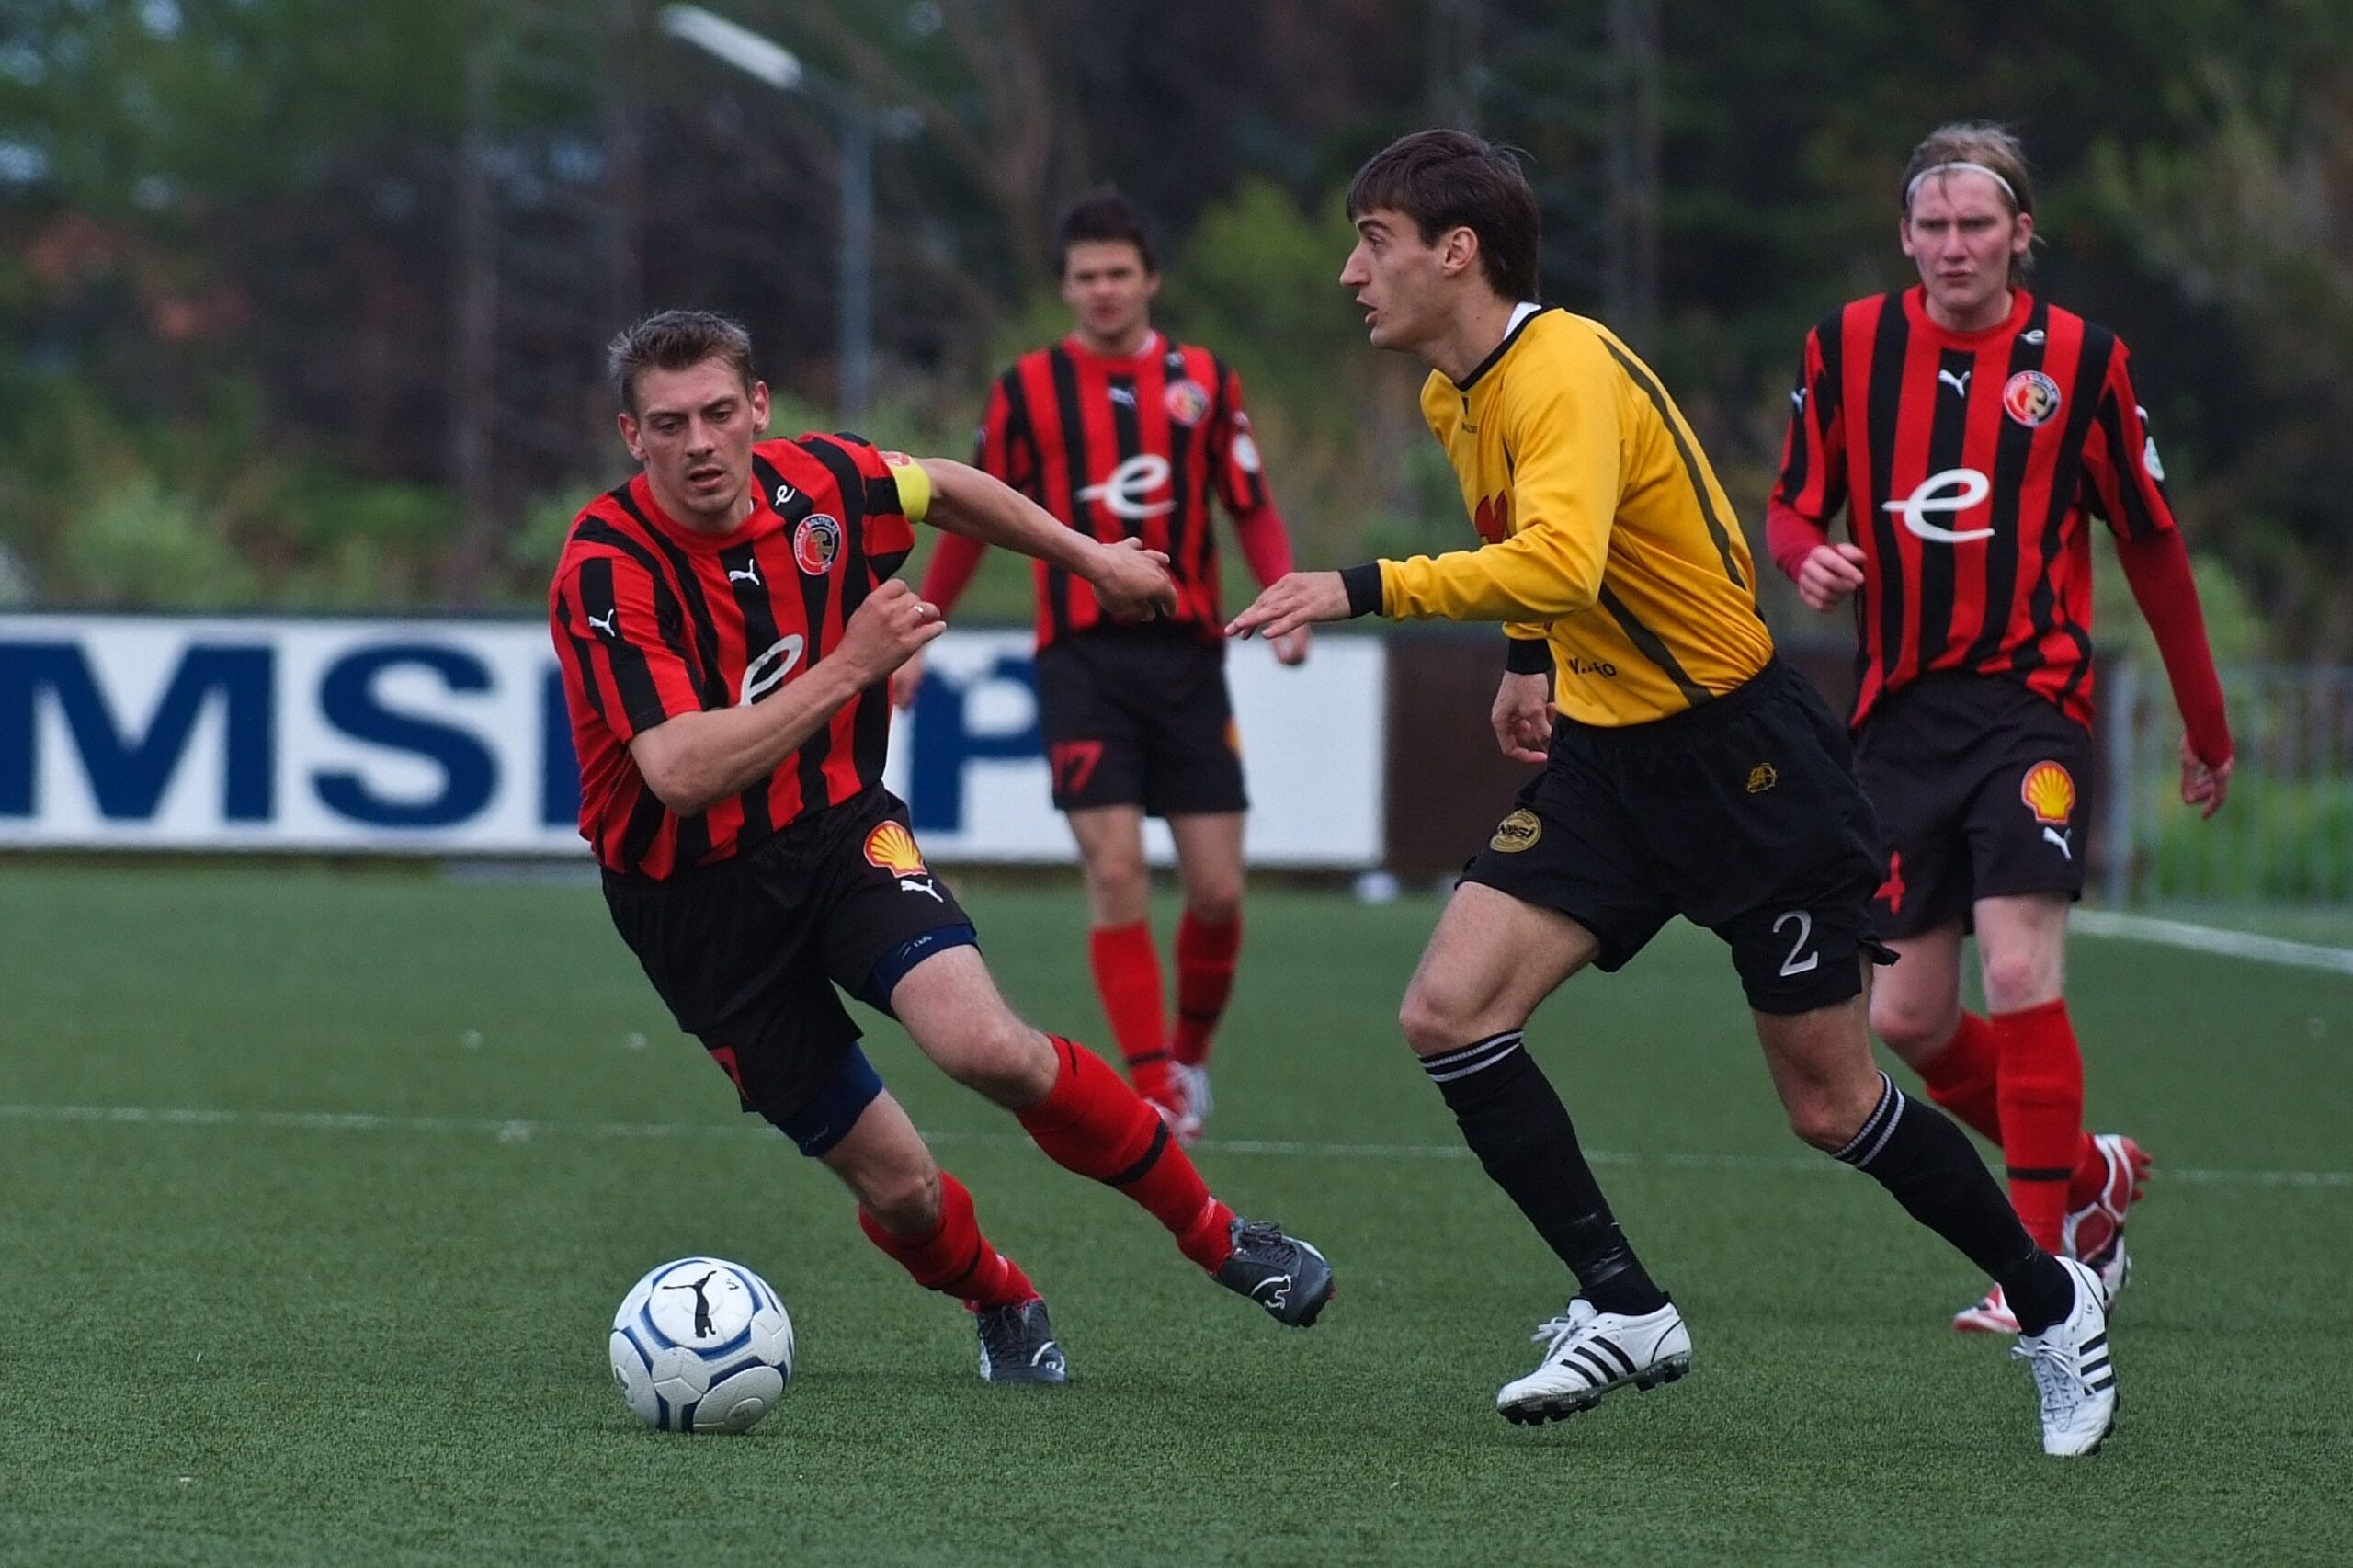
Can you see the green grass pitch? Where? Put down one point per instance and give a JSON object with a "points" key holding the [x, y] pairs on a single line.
{"points": [[319, 1190]]}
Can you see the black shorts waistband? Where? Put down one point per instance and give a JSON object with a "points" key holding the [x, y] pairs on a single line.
{"points": [[800, 830], [1694, 721]]}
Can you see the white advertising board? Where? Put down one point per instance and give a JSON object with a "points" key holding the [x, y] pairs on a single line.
{"points": [[439, 736]]}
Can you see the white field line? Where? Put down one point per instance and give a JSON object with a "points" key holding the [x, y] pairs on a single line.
{"points": [[2208, 939], [519, 1130]]}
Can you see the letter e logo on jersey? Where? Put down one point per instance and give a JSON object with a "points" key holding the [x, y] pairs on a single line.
{"points": [[1953, 490], [891, 847], [2030, 397], [1126, 494], [1517, 832], [1186, 400], [816, 542], [769, 671]]}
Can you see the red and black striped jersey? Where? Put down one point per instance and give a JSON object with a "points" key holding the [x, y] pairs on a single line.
{"points": [[652, 619], [1126, 447], [1967, 463]]}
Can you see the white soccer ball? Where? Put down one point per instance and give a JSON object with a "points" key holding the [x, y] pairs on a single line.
{"points": [[702, 1345]]}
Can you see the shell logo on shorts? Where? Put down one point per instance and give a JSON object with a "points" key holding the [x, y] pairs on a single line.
{"points": [[2030, 397], [1234, 737], [1186, 400], [2048, 792], [1517, 832], [892, 848], [816, 542]]}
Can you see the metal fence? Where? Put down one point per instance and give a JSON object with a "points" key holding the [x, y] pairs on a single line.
{"points": [[2286, 835]]}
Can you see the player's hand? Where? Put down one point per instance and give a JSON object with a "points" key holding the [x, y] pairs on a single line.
{"points": [[2202, 785], [1828, 574], [1292, 601], [1133, 582], [1523, 717], [1291, 648], [905, 681], [886, 630]]}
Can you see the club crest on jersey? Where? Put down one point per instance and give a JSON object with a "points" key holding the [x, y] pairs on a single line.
{"points": [[2048, 792], [816, 542], [1186, 400], [1517, 832], [1245, 445], [2030, 397]]}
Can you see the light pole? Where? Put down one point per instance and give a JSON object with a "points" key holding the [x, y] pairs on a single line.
{"points": [[771, 62]]}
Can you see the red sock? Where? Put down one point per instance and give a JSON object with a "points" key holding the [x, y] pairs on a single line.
{"points": [[954, 1258], [1092, 1123], [2041, 1095], [1127, 976], [1205, 955], [1962, 1076]]}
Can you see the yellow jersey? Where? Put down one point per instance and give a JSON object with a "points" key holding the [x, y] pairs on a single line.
{"points": [[1603, 530]]}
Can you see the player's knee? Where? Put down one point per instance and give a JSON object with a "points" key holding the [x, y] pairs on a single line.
{"points": [[1913, 1026], [1433, 1021], [1827, 1119], [1000, 1057], [1219, 904], [2015, 981], [904, 1198]]}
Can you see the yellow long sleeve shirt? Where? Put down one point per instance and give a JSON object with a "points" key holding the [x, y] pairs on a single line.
{"points": [[1603, 529]]}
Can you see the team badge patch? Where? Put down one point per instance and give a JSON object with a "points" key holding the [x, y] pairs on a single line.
{"points": [[1763, 776], [1186, 400], [816, 542], [2030, 397], [1517, 832], [2048, 792]]}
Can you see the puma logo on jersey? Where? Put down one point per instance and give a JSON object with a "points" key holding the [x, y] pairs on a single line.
{"points": [[611, 624], [750, 573], [1959, 383], [1124, 395]]}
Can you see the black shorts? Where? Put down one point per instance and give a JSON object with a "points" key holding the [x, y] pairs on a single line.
{"points": [[746, 952], [1140, 716], [1982, 791], [1742, 815]]}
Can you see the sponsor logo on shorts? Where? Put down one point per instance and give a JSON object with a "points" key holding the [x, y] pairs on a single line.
{"points": [[1517, 832], [816, 542], [2030, 397], [1234, 737], [2049, 792], [893, 848], [1763, 776], [1892, 889]]}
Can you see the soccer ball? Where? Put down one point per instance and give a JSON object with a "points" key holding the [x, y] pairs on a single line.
{"points": [[702, 1344]]}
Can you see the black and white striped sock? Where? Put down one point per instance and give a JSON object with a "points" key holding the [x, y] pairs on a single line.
{"points": [[1516, 1124], [1918, 1153]]}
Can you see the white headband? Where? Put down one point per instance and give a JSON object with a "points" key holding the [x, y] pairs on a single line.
{"points": [[1959, 165]]}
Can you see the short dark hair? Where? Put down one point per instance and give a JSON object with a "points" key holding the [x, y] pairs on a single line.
{"points": [[1451, 179], [1103, 214], [675, 340]]}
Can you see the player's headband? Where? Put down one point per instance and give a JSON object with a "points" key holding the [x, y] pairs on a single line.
{"points": [[1958, 165]]}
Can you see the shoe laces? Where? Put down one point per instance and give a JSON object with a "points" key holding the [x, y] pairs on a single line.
{"points": [[2055, 1378], [1572, 1320], [1264, 1240]]}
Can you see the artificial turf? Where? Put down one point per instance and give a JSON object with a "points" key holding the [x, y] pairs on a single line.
{"points": [[319, 1190]]}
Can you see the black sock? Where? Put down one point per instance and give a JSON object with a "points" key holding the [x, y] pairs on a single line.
{"points": [[1520, 1131], [1915, 1152]]}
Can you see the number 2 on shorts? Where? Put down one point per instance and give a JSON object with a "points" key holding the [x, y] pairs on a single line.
{"points": [[1794, 964]]}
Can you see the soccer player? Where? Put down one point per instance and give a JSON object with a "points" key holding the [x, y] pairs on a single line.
{"points": [[1123, 433], [1686, 771], [726, 622], [1968, 427]]}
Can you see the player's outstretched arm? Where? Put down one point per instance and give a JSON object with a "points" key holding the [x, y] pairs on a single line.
{"points": [[1292, 602], [1132, 582], [695, 760]]}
